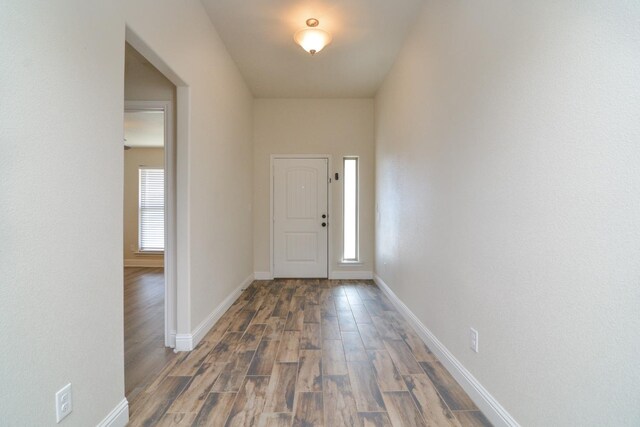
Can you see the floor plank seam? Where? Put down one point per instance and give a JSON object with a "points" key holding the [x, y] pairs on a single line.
{"points": [[281, 310]]}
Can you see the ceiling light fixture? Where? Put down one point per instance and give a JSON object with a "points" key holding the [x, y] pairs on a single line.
{"points": [[312, 39]]}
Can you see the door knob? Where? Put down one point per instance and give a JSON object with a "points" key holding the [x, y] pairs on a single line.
{"points": [[324, 224]]}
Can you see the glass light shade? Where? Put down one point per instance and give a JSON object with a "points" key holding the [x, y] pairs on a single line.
{"points": [[313, 40]]}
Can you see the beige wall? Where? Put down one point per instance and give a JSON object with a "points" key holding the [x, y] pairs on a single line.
{"points": [[133, 159], [61, 186], [143, 81], [339, 127], [61, 177], [214, 153], [507, 152]]}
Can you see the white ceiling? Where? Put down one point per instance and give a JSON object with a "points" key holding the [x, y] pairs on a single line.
{"points": [[367, 36], [144, 129]]}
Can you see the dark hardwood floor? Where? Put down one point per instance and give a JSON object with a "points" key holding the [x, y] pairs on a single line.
{"points": [[307, 353], [144, 351]]}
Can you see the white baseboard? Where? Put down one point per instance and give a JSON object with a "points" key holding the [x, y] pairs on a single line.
{"points": [[118, 417], [263, 275], [351, 275], [184, 342], [491, 408], [187, 342], [141, 262], [338, 275]]}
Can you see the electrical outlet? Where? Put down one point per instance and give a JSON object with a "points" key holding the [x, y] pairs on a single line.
{"points": [[473, 339], [64, 403]]}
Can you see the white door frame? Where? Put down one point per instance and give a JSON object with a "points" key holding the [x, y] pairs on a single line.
{"points": [[170, 296], [329, 207]]}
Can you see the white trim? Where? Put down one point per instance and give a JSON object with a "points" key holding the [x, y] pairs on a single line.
{"points": [[118, 417], [351, 275], [187, 342], [490, 407], [170, 230], [357, 258], [262, 275], [143, 262], [328, 157], [182, 273], [170, 233], [344, 263], [184, 342]]}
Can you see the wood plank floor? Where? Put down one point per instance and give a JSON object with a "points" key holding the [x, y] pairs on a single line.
{"points": [[144, 352], [307, 353]]}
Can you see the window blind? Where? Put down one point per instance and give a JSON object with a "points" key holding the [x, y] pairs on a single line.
{"points": [[151, 210]]}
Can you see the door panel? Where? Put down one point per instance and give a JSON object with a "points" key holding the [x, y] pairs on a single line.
{"points": [[301, 247], [299, 201], [301, 193]]}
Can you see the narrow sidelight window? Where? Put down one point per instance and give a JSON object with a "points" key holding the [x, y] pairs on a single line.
{"points": [[151, 210], [350, 209]]}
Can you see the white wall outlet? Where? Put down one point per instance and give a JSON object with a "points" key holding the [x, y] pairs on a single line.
{"points": [[473, 339], [64, 402]]}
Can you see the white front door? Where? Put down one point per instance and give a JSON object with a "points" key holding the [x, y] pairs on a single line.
{"points": [[300, 217]]}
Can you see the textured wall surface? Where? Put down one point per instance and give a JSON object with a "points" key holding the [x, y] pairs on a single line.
{"points": [[61, 186], [508, 190], [339, 127], [215, 174], [61, 177]]}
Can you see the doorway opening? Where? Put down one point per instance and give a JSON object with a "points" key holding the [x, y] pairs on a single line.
{"points": [[149, 222]]}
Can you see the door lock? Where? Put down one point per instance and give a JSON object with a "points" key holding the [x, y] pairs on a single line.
{"points": [[324, 224]]}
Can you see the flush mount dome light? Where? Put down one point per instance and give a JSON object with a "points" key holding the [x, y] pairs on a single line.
{"points": [[312, 39]]}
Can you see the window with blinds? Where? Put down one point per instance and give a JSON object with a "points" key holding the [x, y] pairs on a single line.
{"points": [[151, 210]]}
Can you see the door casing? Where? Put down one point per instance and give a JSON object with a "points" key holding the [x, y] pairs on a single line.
{"points": [[329, 204]]}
